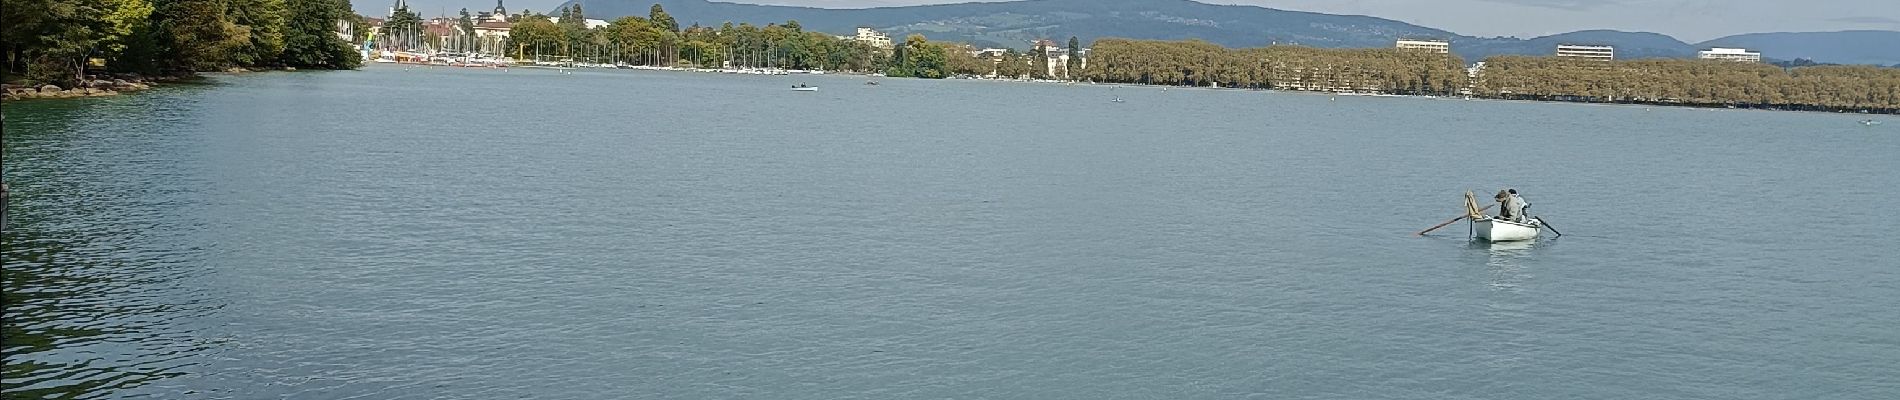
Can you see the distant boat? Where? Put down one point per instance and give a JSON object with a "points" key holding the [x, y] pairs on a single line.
{"points": [[870, 83], [1870, 122], [1116, 100], [804, 88]]}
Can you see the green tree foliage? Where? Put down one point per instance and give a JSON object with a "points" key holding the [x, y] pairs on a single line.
{"points": [[574, 17], [536, 34], [136, 45], [466, 23], [635, 34], [1200, 63], [310, 36], [1013, 65], [661, 19], [1699, 82], [1075, 58], [919, 58], [51, 40], [125, 20], [404, 20], [259, 29], [200, 36]]}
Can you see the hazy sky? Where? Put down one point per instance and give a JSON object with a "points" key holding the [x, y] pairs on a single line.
{"points": [[1689, 20]]}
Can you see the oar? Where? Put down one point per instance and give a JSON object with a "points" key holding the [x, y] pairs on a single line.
{"points": [[1435, 227], [1547, 226]]}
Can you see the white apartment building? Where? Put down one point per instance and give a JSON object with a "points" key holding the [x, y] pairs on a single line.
{"points": [[1591, 52], [589, 22], [1433, 45], [1728, 54], [872, 36]]}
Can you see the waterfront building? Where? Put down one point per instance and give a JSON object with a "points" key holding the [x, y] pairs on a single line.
{"points": [[1432, 45], [499, 14], [590, 22], [493, 30], [872, 37], [346, 30], [1589, 52], [1729, 54], [991, 53], [1058, 58]]}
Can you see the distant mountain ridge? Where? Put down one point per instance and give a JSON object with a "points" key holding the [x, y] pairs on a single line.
{"points": [[1844, 47], [1016, 23]]}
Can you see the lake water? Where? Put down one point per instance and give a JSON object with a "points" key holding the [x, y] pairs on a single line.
{"points": [[449, 233]]}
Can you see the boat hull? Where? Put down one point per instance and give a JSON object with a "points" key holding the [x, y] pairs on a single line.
{"points": [[805, 89], [1495, 230]]}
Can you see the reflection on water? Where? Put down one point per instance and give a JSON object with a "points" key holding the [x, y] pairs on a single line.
{"points": [[1505, 261], [386, 245], [98, 287]]}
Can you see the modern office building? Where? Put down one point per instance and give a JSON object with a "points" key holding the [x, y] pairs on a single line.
{"points": [[1728, 54], [1584, 51], [1433, 45]]}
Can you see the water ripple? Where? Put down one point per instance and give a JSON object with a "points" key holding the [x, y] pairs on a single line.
{"points": [[586, 238]]}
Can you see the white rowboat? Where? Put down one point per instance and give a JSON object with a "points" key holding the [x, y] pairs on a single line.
{"points": [[806, 89], [1497, 230]]}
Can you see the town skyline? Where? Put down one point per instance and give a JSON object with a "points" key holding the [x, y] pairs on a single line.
{"points": [[1687, 20]]}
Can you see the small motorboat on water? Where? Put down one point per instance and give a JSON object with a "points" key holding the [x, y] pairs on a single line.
{"points": [[804, 88], [1870, 122]]}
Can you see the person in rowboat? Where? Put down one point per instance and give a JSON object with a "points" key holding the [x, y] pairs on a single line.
{"points": [[1523, 207], [1508, 209]]}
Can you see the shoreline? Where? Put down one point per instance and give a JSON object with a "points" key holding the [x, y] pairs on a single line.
{"points": [[94, 85], [1458, 97], [107, 85]]}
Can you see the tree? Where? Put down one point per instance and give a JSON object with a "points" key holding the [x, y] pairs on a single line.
{"points": [[259, 27], [1074, 63], [573, 17], [52, 39], [534, 34], [1041, 60], [918, 57], [466, 22], [310, 37], [201, 37], [661, 19], [1013, 65], [135, 44], [402, 22], [636, 35]]}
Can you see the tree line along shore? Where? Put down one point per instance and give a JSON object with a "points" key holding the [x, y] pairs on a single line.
{"points": [[64, 48], [52, 42], [1419, 72]]}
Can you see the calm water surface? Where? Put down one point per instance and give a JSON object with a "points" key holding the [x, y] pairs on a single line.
{"points": [[485, 234]]}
